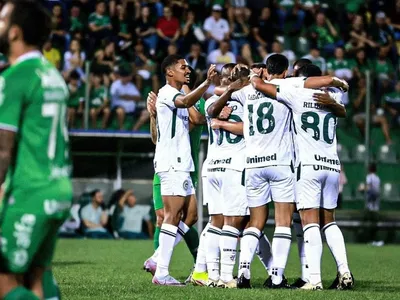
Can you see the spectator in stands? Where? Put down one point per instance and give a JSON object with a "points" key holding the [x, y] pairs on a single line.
{"points": [[77, 23], [264, 30], [94, 218], [146, 30], [340, 66], [290, 9], [124, 29], [239, 33], [277, 48], [168, 29], [392, 104], [74, 59], [59, 35], [196, 59], [373, 189], [191, 31], [76, 98], [358, 38], [52, 54], [145, 68], [172, 49], [216, 28], [359, 113], [324, 34], [72, 224], [99, 101], [363, 64], [317, 59], [131, 216], [382, 33], [221, 56], [124, 98], [385, 74], [99, 23]]}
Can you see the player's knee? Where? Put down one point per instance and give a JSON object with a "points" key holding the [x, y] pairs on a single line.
{"points": [[172, 218]]}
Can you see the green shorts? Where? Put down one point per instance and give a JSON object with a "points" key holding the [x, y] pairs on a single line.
{"points": [[157, 198], [29, 225]]}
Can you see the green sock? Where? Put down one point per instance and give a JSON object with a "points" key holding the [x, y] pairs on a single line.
{"points": [[192, 241], [50, 287], [20, 293], [156, 238]]}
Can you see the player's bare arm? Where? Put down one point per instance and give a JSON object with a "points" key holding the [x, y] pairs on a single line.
{"points": [[195, 117], [186, 101], [325, 99], [326, 81], [225, 113], [7, 143], [151, 108], [268, 89], [215, 109], [233, 127]]}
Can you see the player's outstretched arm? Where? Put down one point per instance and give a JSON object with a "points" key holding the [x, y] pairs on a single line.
{"points": [[266, 88], [233, 127], [326, 81], [326, 99], [7, 144], [195, 117], [151, 108], [215, 109], [186, 101]]}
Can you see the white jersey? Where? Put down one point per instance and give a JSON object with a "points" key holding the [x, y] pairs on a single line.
{"points": [[211, 133], [228, 149], [173, 142], [315, 127], [267, 129]]}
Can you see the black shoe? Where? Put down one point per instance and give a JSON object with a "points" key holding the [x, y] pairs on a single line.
{"points": [[268, 283], [283, 285], [299, 283], [335, 284], [243, 282]]}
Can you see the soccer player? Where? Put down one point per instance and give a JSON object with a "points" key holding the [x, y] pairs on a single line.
{"points": [[34, 152], [173, 161], [225, 172], [317, 175], [196, 117], [299, 64]]}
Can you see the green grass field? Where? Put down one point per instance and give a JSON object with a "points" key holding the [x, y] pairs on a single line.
{"points": [[91, 269]]}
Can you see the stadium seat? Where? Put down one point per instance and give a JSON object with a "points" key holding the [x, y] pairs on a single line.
{"points": [[343, 153], [390, 192], [359, 195], [347, 194], [359, 153], [387, 154]]}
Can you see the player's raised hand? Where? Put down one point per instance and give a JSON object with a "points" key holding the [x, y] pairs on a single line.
{"points": [[151, 103], [340, 83], [237, 85], [225, 113], [211, 73], [323, 98]]}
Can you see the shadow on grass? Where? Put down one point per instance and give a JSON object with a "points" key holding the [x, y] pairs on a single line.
{"points": [[376, 286], [70, 263]]}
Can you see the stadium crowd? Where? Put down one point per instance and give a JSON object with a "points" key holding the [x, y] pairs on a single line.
{"points": [[126, 40]]}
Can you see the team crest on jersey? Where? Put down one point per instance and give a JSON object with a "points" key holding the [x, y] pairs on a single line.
{"points": [[186, 185]]}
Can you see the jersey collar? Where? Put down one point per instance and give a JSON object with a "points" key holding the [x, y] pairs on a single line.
{"points": [[29, 55]]}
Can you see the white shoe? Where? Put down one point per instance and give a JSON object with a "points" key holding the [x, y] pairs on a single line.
{"points": [[346, 281], [212, 283], [167, 280], [227, 285], [312, 287]]}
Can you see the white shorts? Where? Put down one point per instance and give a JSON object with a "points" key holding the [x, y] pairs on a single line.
{"points": [[176, 183], [226, 192], [204, 183], [317, 187], [275, 183]]}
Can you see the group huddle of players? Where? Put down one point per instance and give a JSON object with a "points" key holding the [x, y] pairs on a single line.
{"points": [[272, 137]]}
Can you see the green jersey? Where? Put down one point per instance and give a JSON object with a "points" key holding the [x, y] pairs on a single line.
{"points": [[76, 95], [383, 67], [98, 96], [33, 97], [99, 20], [335, 64]]}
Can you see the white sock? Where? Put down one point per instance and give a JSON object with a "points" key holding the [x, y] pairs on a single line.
{"points": [[201, 264], [227, 245], [280, 252], [182, 229], [264, 252], [313, 250], [167, 239], [335, 241], [248, 245], [298, 228], [212, 255]]}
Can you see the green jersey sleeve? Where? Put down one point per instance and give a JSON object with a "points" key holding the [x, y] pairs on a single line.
{"points": [[11, 100]]}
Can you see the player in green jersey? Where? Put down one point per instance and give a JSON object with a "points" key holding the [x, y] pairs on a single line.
{"points": [[34, 152], [197, 119]]}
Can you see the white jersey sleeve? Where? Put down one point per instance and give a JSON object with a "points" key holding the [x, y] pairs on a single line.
{"points": [[168, 96], [297, 82]]}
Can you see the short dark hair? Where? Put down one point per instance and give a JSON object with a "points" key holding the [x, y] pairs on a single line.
{"points": [[33, 19], [372, 167], [169, 61], [277, 64], [302, 62], [309, 71], [227, 68], [258, 66], [94, 192], [192, 78], [74, 75], [240, 73]]}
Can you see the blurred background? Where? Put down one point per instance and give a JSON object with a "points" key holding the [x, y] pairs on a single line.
{"points": [[109, 53]]}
